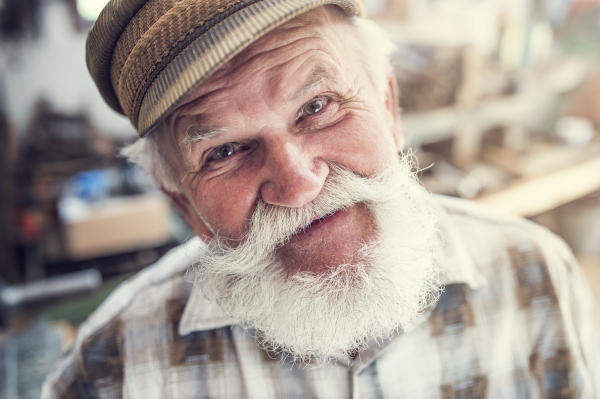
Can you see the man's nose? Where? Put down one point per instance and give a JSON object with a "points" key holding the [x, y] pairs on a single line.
{"points": [[293, 176]]}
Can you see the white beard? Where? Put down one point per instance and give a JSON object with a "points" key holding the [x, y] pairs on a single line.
{"points": [[315, 317]]}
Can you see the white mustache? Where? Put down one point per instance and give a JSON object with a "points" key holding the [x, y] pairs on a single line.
{"points": [[272, 226]]}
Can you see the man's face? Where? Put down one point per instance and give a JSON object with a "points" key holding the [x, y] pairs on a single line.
{"points": [[319, 237], [268, 125]]}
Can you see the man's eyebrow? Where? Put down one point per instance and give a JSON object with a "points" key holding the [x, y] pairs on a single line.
{"points": [[195, 134], [318, 75]]}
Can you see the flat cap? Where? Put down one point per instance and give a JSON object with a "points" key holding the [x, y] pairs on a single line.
{"points": [[146, 56]]}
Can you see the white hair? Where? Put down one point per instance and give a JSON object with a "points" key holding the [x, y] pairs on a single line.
{"points": [[146, 154], [374, 48]]}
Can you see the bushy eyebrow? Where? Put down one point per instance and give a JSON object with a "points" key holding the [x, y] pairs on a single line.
{"points": [[196, 133], [316, 78]]}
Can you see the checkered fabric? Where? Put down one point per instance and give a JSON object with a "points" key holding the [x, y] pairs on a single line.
{"points": [[516, 320]]}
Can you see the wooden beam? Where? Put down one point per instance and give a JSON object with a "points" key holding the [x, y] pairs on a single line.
{"points": [[534, 196]]}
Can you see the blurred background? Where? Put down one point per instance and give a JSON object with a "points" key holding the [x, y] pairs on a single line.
{"points": [[501, 104]]}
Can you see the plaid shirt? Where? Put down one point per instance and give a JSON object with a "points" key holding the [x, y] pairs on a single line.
{"points": [[516, 320]]}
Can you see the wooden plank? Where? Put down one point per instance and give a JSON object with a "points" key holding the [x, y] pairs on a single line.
{"points": [[534, 196], [540, 159], [119, 225]]}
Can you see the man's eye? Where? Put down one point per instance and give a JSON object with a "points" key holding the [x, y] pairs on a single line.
{"points": [[224, 150], [313, 106]]}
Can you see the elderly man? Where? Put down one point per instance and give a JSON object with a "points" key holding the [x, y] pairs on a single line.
{"points": [[321, 268]]}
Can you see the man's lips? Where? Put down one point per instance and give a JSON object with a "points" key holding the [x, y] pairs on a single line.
{"points": [[328, 241], [322, 222]]}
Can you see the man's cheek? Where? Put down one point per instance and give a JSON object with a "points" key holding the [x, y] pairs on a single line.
{"points": [[227, 211], [362, 144]]}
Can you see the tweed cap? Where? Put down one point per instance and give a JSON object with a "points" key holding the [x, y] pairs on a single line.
{"points": [[146, 56]]}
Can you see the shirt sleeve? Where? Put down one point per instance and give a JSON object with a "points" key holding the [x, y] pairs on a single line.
{"points": [[578, 308], [69, 379]]}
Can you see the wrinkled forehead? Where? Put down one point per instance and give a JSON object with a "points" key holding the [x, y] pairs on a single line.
{"points": [[321, 33], [322, 24]]}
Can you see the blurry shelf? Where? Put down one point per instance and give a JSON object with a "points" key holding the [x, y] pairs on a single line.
{"points": [[113, 265], [540, 158], [527, 108]]}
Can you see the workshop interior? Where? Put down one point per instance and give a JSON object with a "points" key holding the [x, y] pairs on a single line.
{"points": [[500, 104]]}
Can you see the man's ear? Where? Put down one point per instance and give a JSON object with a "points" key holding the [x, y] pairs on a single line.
{"points": [[188, 210], [393, 111]]}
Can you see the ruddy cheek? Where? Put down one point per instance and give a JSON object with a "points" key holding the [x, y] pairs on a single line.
{"points": [[228, 206]]}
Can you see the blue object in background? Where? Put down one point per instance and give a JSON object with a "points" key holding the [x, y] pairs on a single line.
{"points": [[92, 185]]}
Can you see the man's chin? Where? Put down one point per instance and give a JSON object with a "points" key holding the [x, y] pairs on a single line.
{"points": [[321, 258]]}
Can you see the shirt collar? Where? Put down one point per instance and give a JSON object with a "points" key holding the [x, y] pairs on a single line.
{"points": [[456, 266], [199, 313], [456, 263]]}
